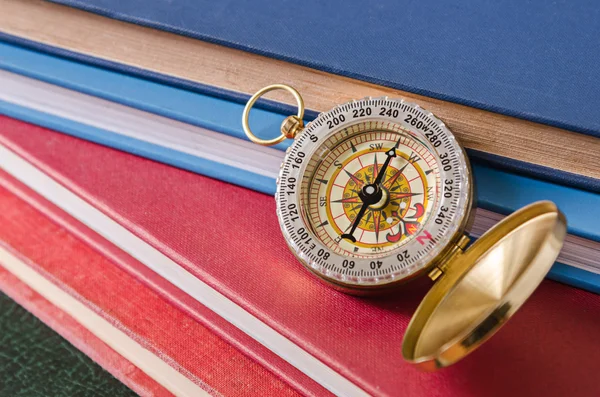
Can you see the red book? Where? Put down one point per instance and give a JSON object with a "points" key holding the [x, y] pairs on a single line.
{"points": [[113, 317], [39, 252], [225, 242]]}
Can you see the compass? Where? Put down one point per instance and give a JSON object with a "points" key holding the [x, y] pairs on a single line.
{"points": [[378, 191]]}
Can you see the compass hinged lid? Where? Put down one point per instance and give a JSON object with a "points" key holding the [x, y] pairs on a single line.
{"points": [[483, 287]]}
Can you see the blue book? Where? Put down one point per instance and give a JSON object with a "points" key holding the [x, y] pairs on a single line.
{"points": [[526, 59], [186, 130]]}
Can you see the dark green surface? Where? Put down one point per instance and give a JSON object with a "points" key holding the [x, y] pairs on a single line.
{"points": [[36, 361]]}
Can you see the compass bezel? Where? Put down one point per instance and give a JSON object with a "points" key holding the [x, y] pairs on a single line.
{"points": [[308, 248]]}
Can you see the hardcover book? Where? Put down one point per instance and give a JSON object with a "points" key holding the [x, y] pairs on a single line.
{"points": [[495, 57], [143, 339]]}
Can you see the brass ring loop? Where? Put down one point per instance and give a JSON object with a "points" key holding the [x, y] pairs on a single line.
{"points": [[263, 91]]}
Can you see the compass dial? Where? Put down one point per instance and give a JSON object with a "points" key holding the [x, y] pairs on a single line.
{"points": [[341, 178], [373, 192]]}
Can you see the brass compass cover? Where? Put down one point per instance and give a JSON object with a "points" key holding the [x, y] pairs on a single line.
{"points": [[484, 286]]}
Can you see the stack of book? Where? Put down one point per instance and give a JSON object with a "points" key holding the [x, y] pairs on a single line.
{"points": [[134, 219]]}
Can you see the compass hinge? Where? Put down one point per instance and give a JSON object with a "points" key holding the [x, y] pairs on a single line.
{"points": [[456, 250], [291, 126]]}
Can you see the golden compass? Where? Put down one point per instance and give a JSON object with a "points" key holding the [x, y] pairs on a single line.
{"points": [[378, 191]]}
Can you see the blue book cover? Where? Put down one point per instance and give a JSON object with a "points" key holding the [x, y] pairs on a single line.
{"points": [[535, 60]]}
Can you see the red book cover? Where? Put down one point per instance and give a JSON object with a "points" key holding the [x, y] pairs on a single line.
{"points": [[45, 248], [79, 336], [228, 238]]}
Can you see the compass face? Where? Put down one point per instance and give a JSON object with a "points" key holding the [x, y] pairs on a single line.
{"points": [[341, 178], [372, 192]]}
